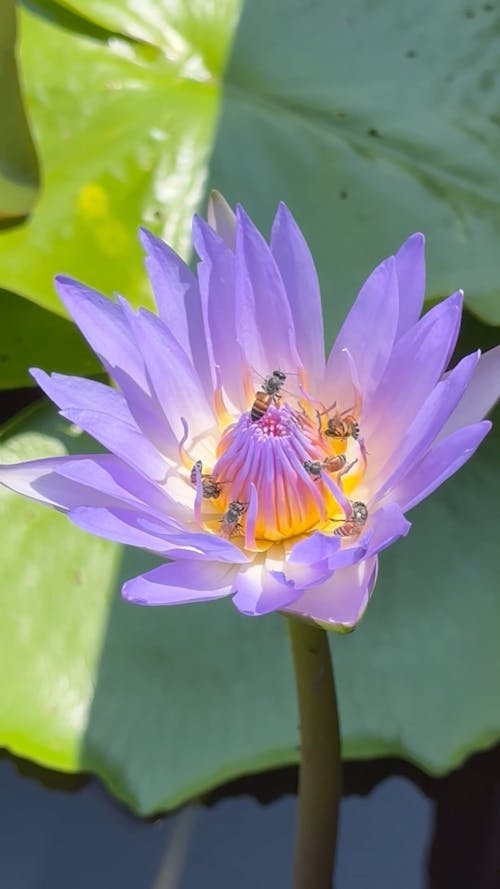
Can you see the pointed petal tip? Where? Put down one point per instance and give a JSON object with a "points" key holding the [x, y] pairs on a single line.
{"points": [[37, 373], [146, 237], [216, 195], [62, 280], [284, 211], [221, 218], [417, 238], [416, 241], [131, 598]]}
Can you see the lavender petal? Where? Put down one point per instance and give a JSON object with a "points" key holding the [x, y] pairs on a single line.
{"points": [[481, 394], [179, 583], [410, 269], [414, 368], [104, 327], [427, 424], [340, 603], [265, 323], [442, 461], [368, 334], [259, 592], [296, 266]]}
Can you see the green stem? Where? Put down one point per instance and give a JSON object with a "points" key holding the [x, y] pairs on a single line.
{"points": [[320, 763]]}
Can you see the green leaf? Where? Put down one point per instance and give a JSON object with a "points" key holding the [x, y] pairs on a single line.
{"points": [[371, 121], [197, 32], [33, 337], [124, 137], [18, 162], [165, 703]]}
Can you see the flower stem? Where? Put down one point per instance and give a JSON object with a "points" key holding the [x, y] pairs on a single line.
{"points": [[320, 763]]}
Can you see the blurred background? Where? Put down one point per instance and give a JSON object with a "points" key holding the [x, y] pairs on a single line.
{"points": [[158, 750]]}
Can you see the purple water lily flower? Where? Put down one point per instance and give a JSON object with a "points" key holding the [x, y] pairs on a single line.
{"points": [[259, 469]]}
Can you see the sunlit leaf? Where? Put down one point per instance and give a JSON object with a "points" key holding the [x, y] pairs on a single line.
{"points": [[124, 137]]}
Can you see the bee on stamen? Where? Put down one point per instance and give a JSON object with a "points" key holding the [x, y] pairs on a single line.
{"points": [[313, 468], [336, 463], [341, 425], [230, 522], [268, 395], [353, 525], [210, 486]]}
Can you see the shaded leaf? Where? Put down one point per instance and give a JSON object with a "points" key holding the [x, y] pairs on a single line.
{"points": [[371, 121], [18, 162], [33, 337]]}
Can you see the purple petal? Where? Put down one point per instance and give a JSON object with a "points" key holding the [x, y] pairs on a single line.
{"points": [[180, 583], [481, 394], [439, 464], [414, 368], [42, 480], [216, 282], [117, 480], [209, 546], [295, 263], [82, 394], [89, 480], [173, 284], [367, 333], [148, 416], [387, 526], [103, 326], [320, 547], [173, 377], [124, 526], [222, 219], [427, 424], [340, 603], [259, 592], [302, 574], [179, 303], [410, 268], [265, 323], [121, 438]]}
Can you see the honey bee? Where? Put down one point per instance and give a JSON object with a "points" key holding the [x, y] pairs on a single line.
{"points": [[313, 468], [341, 425], [211, 488], [269, 394], [338, 463], [353, 525], [335, 463], [230, 522]]}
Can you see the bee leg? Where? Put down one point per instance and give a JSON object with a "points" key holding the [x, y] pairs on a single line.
{"points": [[327, 410], [345, 469]]}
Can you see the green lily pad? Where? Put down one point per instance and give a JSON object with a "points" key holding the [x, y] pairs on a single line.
{"points": [[34, 337], [165, 703], [18, 162], [371, 121], [124, 138]]}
